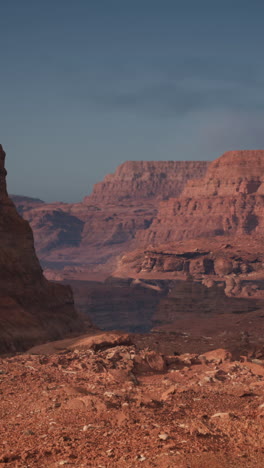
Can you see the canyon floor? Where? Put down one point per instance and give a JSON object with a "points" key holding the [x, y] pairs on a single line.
{"points": [[111, 400]]}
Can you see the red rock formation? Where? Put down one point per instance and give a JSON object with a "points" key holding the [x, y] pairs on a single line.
{"points": [[31, 308], [225, 207], [228, 200], [233, 173], [105, 224], [213, 232], [146, 180], [198, 259], [121, 214]]}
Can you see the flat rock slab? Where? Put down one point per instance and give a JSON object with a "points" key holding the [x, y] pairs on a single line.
{"points": [[97, 341]]}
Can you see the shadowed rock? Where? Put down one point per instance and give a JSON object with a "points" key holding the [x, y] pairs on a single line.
{"points": [[32, 309]]}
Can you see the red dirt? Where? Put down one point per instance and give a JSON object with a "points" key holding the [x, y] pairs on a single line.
{"points": [[122, 407]]}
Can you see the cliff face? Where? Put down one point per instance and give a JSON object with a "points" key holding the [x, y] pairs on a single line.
{"points": [[31, 308], [228, 200], [235, 172], [209, 243], [212, 232], [209, 229], [104, 226], [146, 180]]}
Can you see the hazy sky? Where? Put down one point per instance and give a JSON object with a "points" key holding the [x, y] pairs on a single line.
{"points": [[89, 84]]}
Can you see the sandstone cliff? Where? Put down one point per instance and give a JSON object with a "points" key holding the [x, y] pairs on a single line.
{"points": [[228, 200], [31, 308], [146, 180], [212, 231]]}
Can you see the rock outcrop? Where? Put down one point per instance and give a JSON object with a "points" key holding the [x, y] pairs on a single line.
{"points": [[146, 180], [31, 308], [210, 238], [241, 261], [228, 200], [214, 228]]}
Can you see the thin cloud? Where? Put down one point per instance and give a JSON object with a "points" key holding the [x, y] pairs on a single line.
{"points": [[167, 98]]}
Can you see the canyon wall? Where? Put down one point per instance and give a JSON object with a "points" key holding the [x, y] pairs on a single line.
{"points": [[147, 204], [189, 222], [213, 231], [228, 200], [31, 308], [103, 226], [146, 180]]}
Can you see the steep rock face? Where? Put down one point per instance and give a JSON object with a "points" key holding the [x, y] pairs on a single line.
{"points": [[228, 200], [105, 224], [235, 172], [213, 232], [31, 308], [146, 180]]}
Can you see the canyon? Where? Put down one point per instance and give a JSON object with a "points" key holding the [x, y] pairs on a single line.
{"points": [[178, 268], [152, 227], [208, 245], [89, 236]]}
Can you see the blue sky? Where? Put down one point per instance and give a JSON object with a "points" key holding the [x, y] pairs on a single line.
{"points": [[87, 85]]}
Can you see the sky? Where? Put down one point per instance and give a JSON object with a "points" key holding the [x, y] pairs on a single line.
{"points": [[89, 84]]}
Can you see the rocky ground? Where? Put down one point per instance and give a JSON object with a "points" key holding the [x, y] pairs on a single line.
{"points": [[104, 401]]}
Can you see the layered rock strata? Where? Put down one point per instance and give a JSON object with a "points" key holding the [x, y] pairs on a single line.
{"points": [[225, 207], [209, 230], [146, 180], [240, 262], [105, 224], [228, 200], [213, 233]]}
